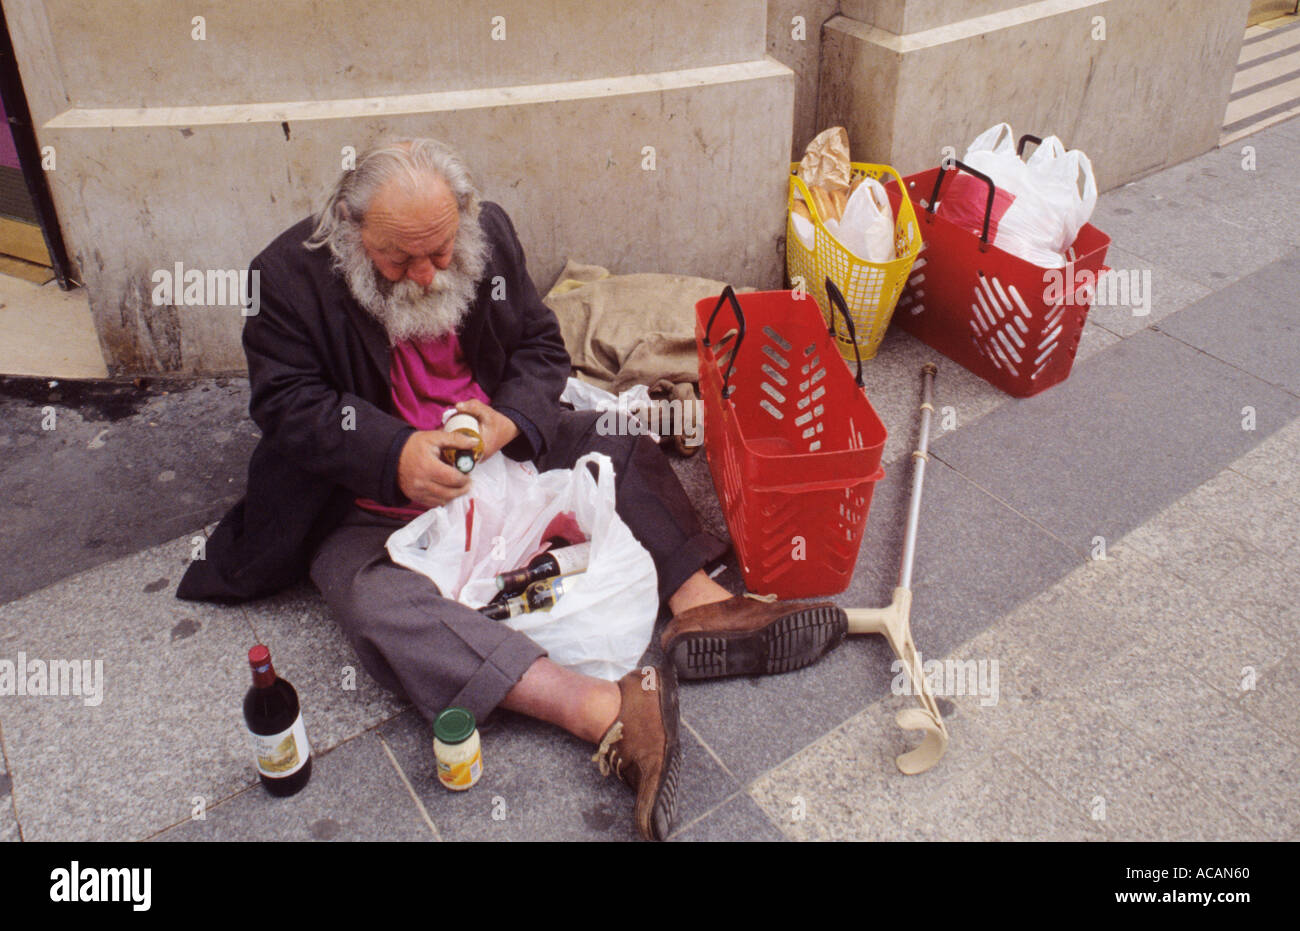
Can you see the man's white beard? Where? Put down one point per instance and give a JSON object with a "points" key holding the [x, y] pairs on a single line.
{"points": [[406, 310]]}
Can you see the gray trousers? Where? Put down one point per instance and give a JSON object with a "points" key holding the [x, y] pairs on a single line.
{"points": [[436, 652]]}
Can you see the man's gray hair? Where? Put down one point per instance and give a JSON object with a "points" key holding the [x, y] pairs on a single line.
{"points": [[410, 163]]}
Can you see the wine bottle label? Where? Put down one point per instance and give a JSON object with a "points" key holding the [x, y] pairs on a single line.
{"points": [[571, 559], [282, 754]]}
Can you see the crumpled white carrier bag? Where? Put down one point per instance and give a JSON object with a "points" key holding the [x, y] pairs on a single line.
{"points": [[1050, 207], [603, 622]]}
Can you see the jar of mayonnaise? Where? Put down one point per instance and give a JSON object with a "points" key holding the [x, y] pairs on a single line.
{"points": [[456, 748]]}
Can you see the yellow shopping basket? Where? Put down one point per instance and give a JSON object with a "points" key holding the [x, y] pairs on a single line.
{"points": [[871, 289]]}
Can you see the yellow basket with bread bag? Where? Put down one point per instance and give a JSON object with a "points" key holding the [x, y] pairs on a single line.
{"points": [[871, 289]]}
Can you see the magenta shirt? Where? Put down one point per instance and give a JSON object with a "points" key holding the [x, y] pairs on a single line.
{"points": [[427, 378]]}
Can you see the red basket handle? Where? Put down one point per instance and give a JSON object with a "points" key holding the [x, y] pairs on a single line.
{"points": [[988, 208], [727, 295], [837, 301]]}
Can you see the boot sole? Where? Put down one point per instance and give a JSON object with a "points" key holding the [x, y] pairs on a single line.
{"points": [[664, 811], [799, 639]]}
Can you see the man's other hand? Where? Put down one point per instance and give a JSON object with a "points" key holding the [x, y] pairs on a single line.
{"points": [[496, 429], [421, 473]]}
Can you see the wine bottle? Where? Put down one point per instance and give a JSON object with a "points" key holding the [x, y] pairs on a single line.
{"points": [[539, 596], [454, 421], [274, 720], [563, 560]]}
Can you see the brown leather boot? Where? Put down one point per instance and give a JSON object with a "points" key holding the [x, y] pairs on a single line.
{"points": [[641, 748], [748, 636]]}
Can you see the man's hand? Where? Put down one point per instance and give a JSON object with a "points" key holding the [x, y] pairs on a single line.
{"points": [[496, 429], [425, 478], [421, 473]]}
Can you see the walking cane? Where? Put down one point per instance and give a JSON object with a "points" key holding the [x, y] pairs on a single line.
{"points": [[894, 622]]}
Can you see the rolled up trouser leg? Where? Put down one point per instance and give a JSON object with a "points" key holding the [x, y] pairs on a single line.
{"points": [[648, 496], [429, 649]]}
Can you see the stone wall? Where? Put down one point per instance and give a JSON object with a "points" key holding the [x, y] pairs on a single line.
{"points": [[640, 137], [1137, 84]]}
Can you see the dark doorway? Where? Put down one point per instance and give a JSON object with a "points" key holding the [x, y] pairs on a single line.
{"points": [[31, 245]]}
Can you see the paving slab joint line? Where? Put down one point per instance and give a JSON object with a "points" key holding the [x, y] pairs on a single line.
{"points": [[1118, 726], [1264, 489], [681, 828], [1156, 328], [707, 749], [1061, 800], [1083, 554], [13, 796], [213, 807], [401, 774]]}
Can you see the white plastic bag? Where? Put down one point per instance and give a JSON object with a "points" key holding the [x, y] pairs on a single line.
{"points": [[1056, 175], [867, 227], [1031, 227], [585, 396], [803, 228], [1047, 205], [603, 622]]}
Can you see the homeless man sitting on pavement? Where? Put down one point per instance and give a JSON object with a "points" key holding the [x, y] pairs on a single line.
{"points": [[383, 306]]}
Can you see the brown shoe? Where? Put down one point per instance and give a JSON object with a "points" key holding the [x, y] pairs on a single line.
{"points": [[641, 748], [745, 636]]}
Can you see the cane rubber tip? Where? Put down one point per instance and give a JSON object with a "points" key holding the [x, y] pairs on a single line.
{"points": [[930, 369]]}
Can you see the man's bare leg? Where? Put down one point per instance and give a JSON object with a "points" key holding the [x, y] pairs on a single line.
{"points": [[698, 590], [583, 705]]}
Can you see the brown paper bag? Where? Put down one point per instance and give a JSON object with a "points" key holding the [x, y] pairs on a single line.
{"points": [[826, 161]]}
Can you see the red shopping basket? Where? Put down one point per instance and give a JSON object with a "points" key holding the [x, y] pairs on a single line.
{"points": [[1012, 323], [793, 443]]}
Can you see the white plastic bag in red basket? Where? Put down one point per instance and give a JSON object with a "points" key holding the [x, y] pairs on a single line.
{"points": [[1039, 205]]}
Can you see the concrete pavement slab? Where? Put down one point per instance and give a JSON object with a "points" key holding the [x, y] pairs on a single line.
{"points": [[170, 724], [846, 785], [1250, 324], [1002, 800], [1232, 755], [1093, 340], [95, 471], [8, 820], [1206, 635], [1275, 463], [1264, 592], [1275, 697], [1247, 185], [1237, 506], [1213, 218], [339, 698], [1082, 753], [539, 783], [1172, 419], [1182, 540], [1184, 234], [736, 819], [354, 794], [1071, 732], [1168, 294], [976, 560], [1160, 803]]}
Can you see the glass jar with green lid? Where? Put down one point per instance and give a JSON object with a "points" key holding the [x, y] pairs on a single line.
{"points": [[456, 748]]}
